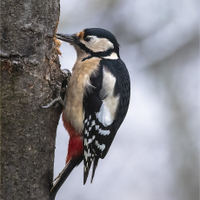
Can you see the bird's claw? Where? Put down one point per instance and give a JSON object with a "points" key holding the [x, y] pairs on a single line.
{"points": [[57, 99], [58, 94]]}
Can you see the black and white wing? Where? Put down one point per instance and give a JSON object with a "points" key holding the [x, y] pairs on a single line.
{"points": [[105, 104]]}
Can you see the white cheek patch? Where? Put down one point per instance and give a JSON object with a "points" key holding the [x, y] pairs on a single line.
{"points": [[98, 44], [106, 114]]}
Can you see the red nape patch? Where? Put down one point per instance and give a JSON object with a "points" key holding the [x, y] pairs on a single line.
{"points": [[75, 147]]}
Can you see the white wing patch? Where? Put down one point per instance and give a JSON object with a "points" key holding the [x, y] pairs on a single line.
{"points": [[106, 114]]}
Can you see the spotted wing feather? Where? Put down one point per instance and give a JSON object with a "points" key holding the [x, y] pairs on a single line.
{"points": [[103, 112]]}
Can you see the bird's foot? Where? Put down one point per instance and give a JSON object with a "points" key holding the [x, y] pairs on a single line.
{"points": [[57, 96]]}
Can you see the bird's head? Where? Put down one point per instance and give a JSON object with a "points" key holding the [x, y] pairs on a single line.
{"points": [[94, 42]]}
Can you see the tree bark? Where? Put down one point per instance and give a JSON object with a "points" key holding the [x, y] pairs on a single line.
{"points": [[29, 68]]}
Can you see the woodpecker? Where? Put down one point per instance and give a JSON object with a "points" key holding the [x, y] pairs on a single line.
{"points": [[96, 100]]}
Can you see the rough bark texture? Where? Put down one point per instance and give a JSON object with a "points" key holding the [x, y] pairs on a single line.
{"points": [[29, 67]]}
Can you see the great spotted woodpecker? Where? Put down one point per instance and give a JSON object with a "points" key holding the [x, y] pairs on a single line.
{"points": [[96, 100]]}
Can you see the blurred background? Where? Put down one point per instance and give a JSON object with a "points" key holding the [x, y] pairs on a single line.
{"points": [[155, 155]]}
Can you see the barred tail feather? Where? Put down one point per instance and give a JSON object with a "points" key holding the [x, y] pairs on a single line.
{"points": [[87, 165], [96, 159]]}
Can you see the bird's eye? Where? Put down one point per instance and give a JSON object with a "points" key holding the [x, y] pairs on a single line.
{"points": [[88, 38]]}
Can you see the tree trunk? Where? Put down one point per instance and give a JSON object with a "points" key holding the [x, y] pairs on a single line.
{"points": [[29, 68]]}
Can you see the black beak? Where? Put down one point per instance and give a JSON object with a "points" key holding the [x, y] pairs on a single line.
{"points": [[71, 38]]}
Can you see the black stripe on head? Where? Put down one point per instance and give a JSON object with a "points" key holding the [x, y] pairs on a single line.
{"points": [[95, 54], [102, 33]]}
